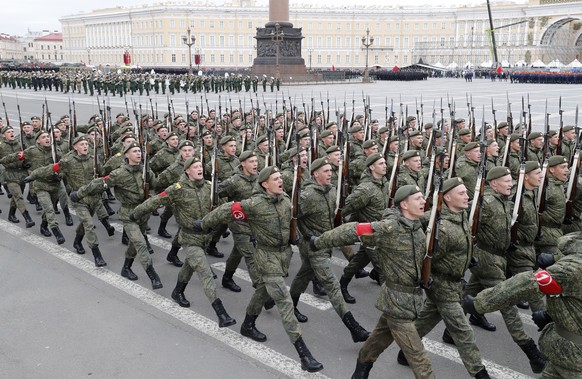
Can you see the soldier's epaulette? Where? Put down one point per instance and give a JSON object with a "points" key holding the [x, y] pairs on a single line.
{"points": [[487, 199], [208, 182], [178, 186], [118, 155]]}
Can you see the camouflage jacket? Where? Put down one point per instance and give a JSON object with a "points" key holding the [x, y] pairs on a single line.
{"points": [[163, 159], [316, 209], [238, 188], [495, 224], [170, 175], [406, 176], [554, 213], [527, 222], [467, 170], [40, 159], [368, 200], [190, 200], [15, 171]]}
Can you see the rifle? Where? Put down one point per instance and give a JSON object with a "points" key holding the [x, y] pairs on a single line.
{"points": [[430, 149], [295, 191], [572, 187], [70, 126], [577, 129], [106, 134], [393, 182], [343, 185], [475, 214], [51, 133], [214, 175], [518, 207], [146, 168], [5, 111], [560, 135], [22, 146], [541, 198], [505, 160], [433, 229]]}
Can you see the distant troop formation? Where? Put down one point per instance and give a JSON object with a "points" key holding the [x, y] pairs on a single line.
{"points": [[426, 197], [124, 83]]}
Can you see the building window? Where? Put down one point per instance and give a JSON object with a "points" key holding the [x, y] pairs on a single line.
{"points": [[183, 58], [221, 24], [173, 58], [250, 58], [172, 24], [231, 58], [348, 59], [338, 42], [328, 42], [212, 58], [329, 59], [250, 25], [221, 41], [221, 58], [202, 24], [338, 59], [211, 24], [182, 23], [240, 58]]}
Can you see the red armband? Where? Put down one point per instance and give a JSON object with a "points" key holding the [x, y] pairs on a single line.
{"points": [[162, 194], [237, 212], [56, 167], [547, 284], [364, 228], [105, 178]]}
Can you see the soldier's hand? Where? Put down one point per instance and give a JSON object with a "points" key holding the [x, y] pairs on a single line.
{"points": [[21, 156], [132, 216], [74, 196], [469, 306], [312, 243], [197, 226], [26, 165], [541, 318], [56, 167], [28, 179], [474, 262], [294, 242], [545, 260]]}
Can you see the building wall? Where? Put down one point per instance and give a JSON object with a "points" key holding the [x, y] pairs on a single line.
{"points": [[10, 48], [152, 34]]}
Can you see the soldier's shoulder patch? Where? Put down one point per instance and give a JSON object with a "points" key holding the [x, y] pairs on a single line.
{"points": [[178, 186], [118, 155], [208, 182]]}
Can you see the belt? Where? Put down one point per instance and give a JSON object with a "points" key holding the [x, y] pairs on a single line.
{"points": [[572, 337], [273, 249], [449, 277], [491, 251], [405, 289]]}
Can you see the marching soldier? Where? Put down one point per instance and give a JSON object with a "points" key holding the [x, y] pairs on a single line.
{"points": [[467, 168], [400, 243], [190, 197], [268, 213]]}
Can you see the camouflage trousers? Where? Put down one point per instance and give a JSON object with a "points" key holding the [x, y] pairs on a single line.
{"points": [[47, 200], [137, 244], [271, 266], [360, 260], [196, 262], [167, 213], [455, 320], [63, 197], [243, 247], [318, 264], [85, 210], [17, 199], [404, 333], [488, 273], [552, 371], [524, 259]]}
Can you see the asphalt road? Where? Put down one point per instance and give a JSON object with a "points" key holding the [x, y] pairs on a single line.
{"points": [[64, 318]]}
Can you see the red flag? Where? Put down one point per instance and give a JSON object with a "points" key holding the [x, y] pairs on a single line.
{"points": [[395, 69], [332, 68], [498, 70]]}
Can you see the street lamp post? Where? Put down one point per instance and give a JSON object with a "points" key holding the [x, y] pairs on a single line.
{"points": [[189, 40], [310, 52], [277, 36], [367, 41]]}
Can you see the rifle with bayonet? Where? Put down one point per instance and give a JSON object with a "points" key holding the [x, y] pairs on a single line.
{"points": [[475, 214], [518, 200], [541, 198], [560, 133], [297, 173], [5, 111], [572, 186], [22, 145], [214, 174], [506, 149], [343, 185]]}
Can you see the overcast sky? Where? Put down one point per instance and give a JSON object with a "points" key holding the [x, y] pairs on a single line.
{"points": [[22, 15]]}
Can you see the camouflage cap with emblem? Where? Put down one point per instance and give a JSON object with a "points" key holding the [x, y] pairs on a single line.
{"points": [[369, 143], [226, 139], [534, 135], [185, 143], [501, 125], [567, 128], [330, 124], [318, 163], [40, 133], [403, 192], [410, 154], [131, 146], [355, 129], [325, 133], [497, 172], [557, 160], [373, 159], [464, 131], [531, 165], [266, 173], [414, 133], [451, 183], [6, 128], [382, 130], [261, 139], [332, 149], [190, 161], [246, 155], [410, 118], [428, 125], [80, 139], [470, 146]]}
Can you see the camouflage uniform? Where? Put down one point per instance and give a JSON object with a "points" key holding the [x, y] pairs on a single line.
{"points": [[449, 263], [552, 216], [400, 299], [163, 159], [466, 169], [561, 339], [406, 176], [14, 174]]}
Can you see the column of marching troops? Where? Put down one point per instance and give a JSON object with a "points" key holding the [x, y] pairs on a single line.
{"points": [[241, 171], [125, 83]]}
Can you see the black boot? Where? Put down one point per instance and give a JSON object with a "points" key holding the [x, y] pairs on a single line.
{"points": [[483, 374], [401, 359], [7, 191], [110, 196], [124, 238], [214, 276], [359, 334], [362, 370], [361, 273], [58, 235], [77, 244], [126, 271], [56, 209], [37, 206], [482, 322], [270, 303], [12, 215], [178, 294], [68, 218], [30, 198], [99, 261], [318, 288], [28, 220], [248, 329], [375, 276], [108, 208], [524, 305], [173, 257], [162, 232], [149, 247], [344, 281], [308, 363], [44, 229], [536, 359], [223, 318], [228, 282], [298, 315], [213, 251], [110, 229], [447, 337], [153, 275]]}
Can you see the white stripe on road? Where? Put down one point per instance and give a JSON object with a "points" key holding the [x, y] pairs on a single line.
{"points": [[451, 353], [269, 357]]}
